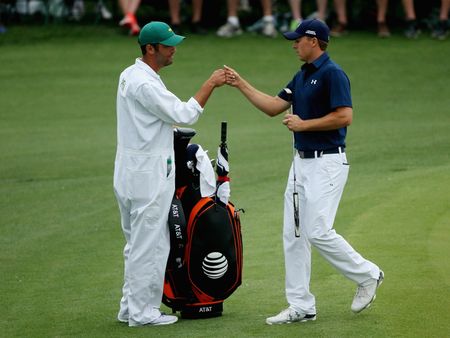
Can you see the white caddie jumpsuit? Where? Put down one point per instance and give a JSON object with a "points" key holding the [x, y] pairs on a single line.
{"points": [[144, 184]]}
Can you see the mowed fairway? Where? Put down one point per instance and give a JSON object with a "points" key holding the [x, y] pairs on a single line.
{"points": [[61, 242]]}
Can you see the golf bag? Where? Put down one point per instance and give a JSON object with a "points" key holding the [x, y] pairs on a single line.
{"points": [[205, 260]]}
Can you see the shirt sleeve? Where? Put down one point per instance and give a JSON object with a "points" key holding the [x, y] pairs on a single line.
{"points": [[287, 92], [340, 95], [167, 106]]}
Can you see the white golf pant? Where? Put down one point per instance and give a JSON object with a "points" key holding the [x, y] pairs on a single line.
{"points": [[144, 187], [319, 183]]}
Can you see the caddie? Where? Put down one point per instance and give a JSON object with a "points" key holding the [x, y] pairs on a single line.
{"points": [[144, 170]]}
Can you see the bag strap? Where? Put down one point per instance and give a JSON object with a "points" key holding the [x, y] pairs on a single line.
{"points": [[177, 229]]}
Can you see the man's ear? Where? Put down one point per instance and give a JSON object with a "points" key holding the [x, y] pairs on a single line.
{"points": [[150, 49]]}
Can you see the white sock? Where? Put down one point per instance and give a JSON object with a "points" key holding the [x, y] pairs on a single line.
{"points": [[268, 18], [234, 20]]}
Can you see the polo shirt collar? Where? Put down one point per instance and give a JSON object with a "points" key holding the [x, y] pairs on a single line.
{"points": [[141, 64], [317, 62]]}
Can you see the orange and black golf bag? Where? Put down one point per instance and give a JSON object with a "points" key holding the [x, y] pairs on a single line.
{"points": [[205, 261]]}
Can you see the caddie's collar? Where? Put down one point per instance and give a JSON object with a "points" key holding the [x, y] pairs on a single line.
{"points": [[141, 64]]}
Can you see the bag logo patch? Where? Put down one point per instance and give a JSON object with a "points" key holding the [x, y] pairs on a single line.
{"points": [[215, 265]]}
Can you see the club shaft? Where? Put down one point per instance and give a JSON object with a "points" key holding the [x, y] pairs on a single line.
{"points": [[223, 134]]}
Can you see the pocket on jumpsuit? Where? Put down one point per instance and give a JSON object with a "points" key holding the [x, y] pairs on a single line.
{"points": [[149, 189], [143, 188]]}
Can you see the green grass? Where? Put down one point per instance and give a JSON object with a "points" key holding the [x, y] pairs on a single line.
{"points": [[61, 243]]}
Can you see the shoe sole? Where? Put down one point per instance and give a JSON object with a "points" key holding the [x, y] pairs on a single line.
{"points": [[133, 324], [380, 281], [164, 323], [294, 321]]}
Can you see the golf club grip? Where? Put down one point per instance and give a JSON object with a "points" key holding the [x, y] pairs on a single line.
{"points": [[296, 214], [223, 134]]}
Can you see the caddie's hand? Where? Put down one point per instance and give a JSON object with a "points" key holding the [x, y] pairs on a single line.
{"points": [[218, 78], [293, 122], [232, 77]]}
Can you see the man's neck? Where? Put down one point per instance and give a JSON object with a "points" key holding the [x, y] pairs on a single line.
{"points": [[315, 56], [151, 63]]}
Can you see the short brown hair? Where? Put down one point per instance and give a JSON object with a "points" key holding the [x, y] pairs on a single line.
{"points": [[323, 45], [144, 47]]}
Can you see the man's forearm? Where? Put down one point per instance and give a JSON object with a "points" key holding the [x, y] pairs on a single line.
{"points": [[204, 93], [340, 118], [334, 120], [266, 103]]}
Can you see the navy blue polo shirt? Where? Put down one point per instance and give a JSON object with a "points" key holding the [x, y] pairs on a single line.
{"points": [[318, 89]]}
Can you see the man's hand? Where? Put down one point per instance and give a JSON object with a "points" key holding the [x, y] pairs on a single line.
{"points": [[217, 78], [340, 118], [232, 77], [293, 122]]}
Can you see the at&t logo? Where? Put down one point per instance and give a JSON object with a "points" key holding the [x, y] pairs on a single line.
{"points": [[215, 265]]}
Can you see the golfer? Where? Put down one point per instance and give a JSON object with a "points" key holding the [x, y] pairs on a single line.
{"points": [[322, 110], [144, 173]]}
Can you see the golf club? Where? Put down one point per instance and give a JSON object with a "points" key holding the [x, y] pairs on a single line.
{"points": [[295, 193]]}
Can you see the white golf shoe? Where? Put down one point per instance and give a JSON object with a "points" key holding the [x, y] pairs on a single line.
{"points": [[122, 319], [163, 319], [366, 294], [229, 30], [269, 29], [289, 316]]}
